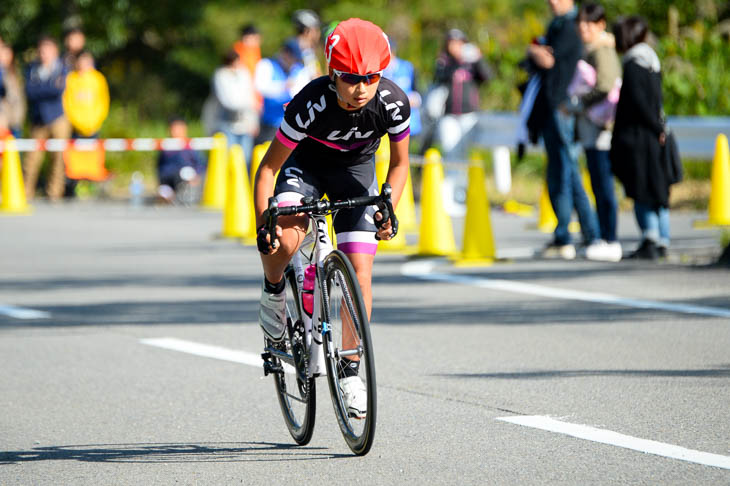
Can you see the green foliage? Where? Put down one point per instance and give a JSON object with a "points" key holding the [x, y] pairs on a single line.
{"points": [[159, 57]]}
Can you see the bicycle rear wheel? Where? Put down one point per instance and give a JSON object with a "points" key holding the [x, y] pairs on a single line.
{"points": [[346, 333], [294, 388]]}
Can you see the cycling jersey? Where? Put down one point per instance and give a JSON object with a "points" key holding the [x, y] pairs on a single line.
{"points": [[317, 128]]}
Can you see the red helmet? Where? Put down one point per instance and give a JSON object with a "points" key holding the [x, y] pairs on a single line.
{"points": [[357, 46]]}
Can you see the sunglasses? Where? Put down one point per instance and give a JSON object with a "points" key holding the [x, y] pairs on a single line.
{"points": [[351, 78]]}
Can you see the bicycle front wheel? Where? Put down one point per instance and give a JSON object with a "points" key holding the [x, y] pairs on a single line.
{"points": [[294, 388], [346, 339]]}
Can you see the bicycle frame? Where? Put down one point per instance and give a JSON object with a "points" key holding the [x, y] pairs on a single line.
{"points": [[319, 237]]}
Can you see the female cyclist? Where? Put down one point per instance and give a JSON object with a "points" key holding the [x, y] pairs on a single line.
{"points": [[326, 145]]}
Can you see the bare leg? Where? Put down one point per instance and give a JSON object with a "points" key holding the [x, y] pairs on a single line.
{"points": [[363, 264], [293, 229]]}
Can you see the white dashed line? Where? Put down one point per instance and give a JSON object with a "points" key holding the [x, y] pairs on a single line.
{"points": [[423, 270], [620, 440], [208, 351], [22, 313]]}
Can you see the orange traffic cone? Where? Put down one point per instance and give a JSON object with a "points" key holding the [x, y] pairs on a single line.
{"points": [[13, 188]]}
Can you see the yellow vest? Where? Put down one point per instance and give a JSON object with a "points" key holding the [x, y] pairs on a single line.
{"points": [[86, 101]]}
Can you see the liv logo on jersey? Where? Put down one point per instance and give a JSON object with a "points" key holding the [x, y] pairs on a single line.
{"points": [[353, 131], [312, 115], [393, 108]]}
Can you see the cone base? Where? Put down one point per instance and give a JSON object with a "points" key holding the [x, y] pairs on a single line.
{"points": [[16, 211], [706, 224], [463, 262]]}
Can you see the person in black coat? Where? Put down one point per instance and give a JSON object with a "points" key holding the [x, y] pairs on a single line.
{"points": [[638, 136]]}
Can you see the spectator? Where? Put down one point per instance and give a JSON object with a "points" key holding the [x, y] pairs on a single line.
{"points": [[86, 98], [12, 104], [45, 82], [555, 61], [181, 169], [638, 135], [231, 108], [248, 47], [74, 41], [403, 74], [461, 68], [308, 32], [278, 79], [596, 105]]}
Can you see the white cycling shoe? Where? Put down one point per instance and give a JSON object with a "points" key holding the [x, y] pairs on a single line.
{"points": [[272, 314], [355, 396]]}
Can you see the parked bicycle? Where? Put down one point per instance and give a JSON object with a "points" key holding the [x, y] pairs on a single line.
{"points": [[326, 321]]}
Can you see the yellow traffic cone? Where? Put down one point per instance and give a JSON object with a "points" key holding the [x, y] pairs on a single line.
{"points": [[258, 155], [237, 213], [478, 246], [436, 235], [13, 188], [719, 207], [397, 244], [546, 219], [214, 189], [406, 210]]}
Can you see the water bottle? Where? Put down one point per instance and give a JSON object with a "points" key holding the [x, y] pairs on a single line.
{"points": [[308, 289], [136, 189]]}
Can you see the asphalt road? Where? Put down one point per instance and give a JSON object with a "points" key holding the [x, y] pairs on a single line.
{"points": [[524, 372]]}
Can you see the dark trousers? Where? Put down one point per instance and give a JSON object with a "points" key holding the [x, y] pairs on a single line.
{"points": [[599, 167]]}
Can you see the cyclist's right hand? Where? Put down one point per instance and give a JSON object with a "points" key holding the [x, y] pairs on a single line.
{"points": [[264, 238]]}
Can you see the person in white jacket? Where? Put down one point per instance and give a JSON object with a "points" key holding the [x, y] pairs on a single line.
{"points": [[231, 107]]}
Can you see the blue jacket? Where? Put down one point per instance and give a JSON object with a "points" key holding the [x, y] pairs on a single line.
{"points": [[45, 102], [273, 111], [402, 73]]}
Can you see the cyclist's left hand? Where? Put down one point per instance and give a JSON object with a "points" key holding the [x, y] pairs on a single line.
{"points": [[385, 232]]}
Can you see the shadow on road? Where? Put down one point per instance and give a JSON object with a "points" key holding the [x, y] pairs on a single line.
{"points": [[170, 453], [719, 372]]}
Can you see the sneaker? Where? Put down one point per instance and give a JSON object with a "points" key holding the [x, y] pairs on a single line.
{"points": [[566, 252], [604, 252], [647, 250], [272, 314], [355, 396]]}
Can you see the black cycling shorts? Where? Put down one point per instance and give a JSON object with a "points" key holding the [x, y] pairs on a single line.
{"points": [[354, 228]]}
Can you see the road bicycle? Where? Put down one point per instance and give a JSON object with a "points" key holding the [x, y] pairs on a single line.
{"points": [[333, 327]]}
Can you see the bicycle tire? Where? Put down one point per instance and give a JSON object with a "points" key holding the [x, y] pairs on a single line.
{"points": [[296, 391], [344, 309]]}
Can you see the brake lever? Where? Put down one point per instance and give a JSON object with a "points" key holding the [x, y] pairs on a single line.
{"points": [[386, 210]]}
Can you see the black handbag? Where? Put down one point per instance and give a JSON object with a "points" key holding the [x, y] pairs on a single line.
{"points": [[670, 159]]}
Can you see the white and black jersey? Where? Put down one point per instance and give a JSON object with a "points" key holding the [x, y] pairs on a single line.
{"points": [[317, 128]]}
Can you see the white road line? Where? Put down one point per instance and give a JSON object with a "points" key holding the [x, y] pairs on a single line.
{"points": [[424, 270], [22, 313], [620, 440], [208, 351]]}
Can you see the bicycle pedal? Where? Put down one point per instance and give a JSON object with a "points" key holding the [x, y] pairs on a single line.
{"points": [[270, 367]]}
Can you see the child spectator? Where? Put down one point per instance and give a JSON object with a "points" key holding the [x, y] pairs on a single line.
{"points": [[86, 98], [180, 169]]}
